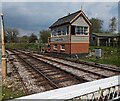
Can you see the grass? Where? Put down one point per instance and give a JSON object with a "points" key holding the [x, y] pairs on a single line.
{"points": [[24, 46], [0, 92], [11, 93], [111, 55]]}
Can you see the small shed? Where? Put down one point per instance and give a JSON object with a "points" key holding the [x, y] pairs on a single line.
{"points": [[103, 39]]}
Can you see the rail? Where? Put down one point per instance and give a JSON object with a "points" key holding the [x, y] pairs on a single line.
{"points": [[51, 82], [52, 62], [103, 89], [20, 78]]}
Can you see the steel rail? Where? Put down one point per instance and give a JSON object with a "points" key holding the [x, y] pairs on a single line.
{"points": [[89, 64], [30, 65], [69, 66], [21, 80], [52, 81], [85, 63], [77, 77]]}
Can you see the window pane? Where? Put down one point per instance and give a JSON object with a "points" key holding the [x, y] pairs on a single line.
{"points": [[81, 30], [62, 46], [55, 46], [64, 31], [54, 33], [67, 29], [85, 30], [59, 32]]}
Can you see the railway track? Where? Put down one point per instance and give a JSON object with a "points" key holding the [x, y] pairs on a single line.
{"points": [[51, 73], [87, 71], [80, 63], [15, 72], [113, 68], [47, 76], [20, 78]]}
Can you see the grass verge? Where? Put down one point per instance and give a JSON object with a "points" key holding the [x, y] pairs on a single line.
{"points": [[110, 55], [11, 93]]}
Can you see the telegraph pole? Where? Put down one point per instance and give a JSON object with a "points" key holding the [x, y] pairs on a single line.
{"points": [[4, 69]]}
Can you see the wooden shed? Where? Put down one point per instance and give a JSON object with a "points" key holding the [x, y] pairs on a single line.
{"points": [[103, 39]]}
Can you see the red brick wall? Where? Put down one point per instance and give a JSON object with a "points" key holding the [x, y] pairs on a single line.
{"points": [[75, 48], [79, 47]]}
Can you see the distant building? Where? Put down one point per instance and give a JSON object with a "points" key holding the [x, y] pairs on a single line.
{"points": [[70, 34], [103, 39]]}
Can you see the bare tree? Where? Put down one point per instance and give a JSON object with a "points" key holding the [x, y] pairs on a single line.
{"points": [[11, 35]]}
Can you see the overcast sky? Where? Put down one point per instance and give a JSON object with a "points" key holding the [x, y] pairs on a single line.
{"points": [[33, 17]]}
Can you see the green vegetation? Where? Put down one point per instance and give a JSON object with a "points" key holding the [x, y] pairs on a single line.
{"points": [[110, 55], [44, 35], [32, 38], [113, 24], [11, 93], [0, 93], [24, 46], [11, 35], [97, 25]]}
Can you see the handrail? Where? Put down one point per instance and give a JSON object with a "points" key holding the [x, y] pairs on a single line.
{"points": [[77, 90]]}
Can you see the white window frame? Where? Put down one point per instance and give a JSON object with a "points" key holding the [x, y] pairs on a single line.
{"points": [[60, 30], [55, 33], [80, 30], [61, 47], [55, 46], [65, 31]]}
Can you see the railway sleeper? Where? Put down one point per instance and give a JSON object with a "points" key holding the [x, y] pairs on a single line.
{"points": [[62, 79], [91, 64], [45, 68], [80, 79], [52, 83], [34, 77], [67, 80], [102, 76], [39, 82], [63, 75], [54, 74], [53, 65], [50, 72]]}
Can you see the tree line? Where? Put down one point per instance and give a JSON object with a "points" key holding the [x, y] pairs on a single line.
{"points": [[97, 25], [12, 35]]}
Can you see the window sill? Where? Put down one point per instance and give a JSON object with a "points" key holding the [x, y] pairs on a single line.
{"points": [[80, 35], [55, 49], [62, 50], [60, 35]]}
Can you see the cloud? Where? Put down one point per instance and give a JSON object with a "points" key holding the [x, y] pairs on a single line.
{"points": [[60, 0], [35, 16], [119, 17], [104, 11]]}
